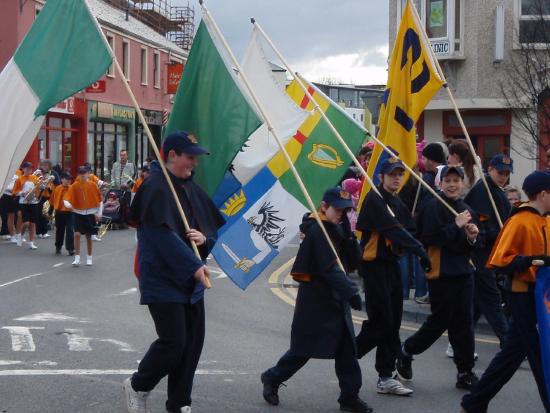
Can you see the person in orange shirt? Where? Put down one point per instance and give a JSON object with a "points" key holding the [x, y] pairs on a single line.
{"points": [[143, 174], [64, 220], [84, 199], [26, 188]]}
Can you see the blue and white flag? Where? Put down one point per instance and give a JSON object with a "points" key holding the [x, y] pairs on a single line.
{"points": [[542, 297]]}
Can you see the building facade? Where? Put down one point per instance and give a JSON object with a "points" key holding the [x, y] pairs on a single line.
{"points": [[97, 123], [474, 42]]}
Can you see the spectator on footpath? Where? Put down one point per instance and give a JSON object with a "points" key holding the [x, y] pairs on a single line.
{"points": [[122, 172], [513, 194], [171, 276], [520, 244]]}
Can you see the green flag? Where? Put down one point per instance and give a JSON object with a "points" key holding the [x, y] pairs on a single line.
{"points": [[210, 104]]}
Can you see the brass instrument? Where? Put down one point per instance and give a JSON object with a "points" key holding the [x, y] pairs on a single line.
{"points": [[46, 212], [44, 181], [104, 226]]}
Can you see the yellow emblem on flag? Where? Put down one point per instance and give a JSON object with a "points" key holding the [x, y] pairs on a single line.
{"points": [[234, 204], [325, 156], [193, 139]]}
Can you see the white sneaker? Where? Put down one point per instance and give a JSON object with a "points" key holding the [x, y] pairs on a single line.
{"points": [[136, 401], [96, 238], [76, 261], [19, 240], [451, 353], [392, 386], [88, 260], [6, 237], [186, 409], [46, 235], [32, 246], [13, 239]]}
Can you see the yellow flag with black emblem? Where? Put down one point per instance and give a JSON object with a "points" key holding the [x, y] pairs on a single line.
{"points": [[413, 80]]}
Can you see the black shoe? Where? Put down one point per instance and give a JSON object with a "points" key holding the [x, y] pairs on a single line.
{"points": [[357, 405], [466, 381], [404, 367], [71, 253], [58, 251], [271, 390]]}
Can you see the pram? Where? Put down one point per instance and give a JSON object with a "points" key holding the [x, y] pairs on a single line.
{"points": [[112, 208]]}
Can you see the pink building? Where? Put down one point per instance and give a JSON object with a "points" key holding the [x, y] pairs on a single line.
{"points": [[96, 123]]}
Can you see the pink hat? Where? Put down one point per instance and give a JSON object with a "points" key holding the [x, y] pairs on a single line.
{"points": [[351, 185]]}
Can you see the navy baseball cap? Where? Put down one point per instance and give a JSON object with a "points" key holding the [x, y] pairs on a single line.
{"points": [[66, 175], [26, 165], [83, 170], [536, 182], [183, 142], [446, 170], [391, 164], [502, 162], [337, 198]]}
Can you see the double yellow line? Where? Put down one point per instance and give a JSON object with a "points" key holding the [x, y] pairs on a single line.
{"points": [[280, 278]]}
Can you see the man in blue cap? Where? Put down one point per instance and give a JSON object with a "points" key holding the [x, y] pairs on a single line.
{"points": [[487, 298], [322, 327], [385, 237], [171, 276], [521, 245]]}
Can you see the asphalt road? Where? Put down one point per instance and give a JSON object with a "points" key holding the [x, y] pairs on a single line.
{"points": [[69, 337]]}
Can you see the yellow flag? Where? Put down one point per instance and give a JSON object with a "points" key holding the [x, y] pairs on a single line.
{"points": [[412, 82]]}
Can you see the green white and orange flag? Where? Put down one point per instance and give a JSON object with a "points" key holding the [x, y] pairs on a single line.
{"points": [[63, 52], [413, 80]]}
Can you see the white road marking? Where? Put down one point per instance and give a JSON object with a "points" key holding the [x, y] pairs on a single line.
{"points": [[21, 337], [222, 275], [95, 372], [127, 292], [21, 279], [59, 264], [34, 363], [50, 317], [76, 340], [9, 362], [123, 346], [217, 271]]}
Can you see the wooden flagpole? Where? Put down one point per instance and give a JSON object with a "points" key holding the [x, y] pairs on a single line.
{"points": [[459, 117], [272, 130]]}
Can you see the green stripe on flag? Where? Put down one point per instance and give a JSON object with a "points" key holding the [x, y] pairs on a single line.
{"points": [[323, 160], [62, 53], [210, 105]]}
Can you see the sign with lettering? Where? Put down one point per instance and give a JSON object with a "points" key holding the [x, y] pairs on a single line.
{"points": [[111, 111], [441, 47], [97, 87], [174, 73]]}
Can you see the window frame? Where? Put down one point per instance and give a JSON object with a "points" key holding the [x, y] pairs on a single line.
{"points": [[156, 69], [144, 63], [126, 59], [111, 69], [517, 19], [451, 27]]}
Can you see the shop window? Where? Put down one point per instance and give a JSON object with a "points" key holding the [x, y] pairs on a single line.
{"points": [[143, 61], [443, 22], [107, 140], [126, 59], [156, 70], [534, 21], [111, 41]]}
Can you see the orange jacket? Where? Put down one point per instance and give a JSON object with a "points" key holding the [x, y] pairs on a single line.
{"points": [[83, 195], [56, 201]]}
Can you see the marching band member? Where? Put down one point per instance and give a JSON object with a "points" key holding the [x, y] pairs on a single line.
{"points": [[25, 188], [84, 199]]}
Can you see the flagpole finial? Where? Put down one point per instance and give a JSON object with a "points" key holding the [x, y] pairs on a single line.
{"points": [[252, 20]]}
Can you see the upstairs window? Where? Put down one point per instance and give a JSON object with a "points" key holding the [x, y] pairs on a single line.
{"points": [[534, 22]]}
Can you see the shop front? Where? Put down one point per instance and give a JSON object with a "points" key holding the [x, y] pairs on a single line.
{"points": [[143, 147], [111, 129]]}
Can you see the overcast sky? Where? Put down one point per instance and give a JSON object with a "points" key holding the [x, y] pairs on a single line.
{"points": [[343, 40]]}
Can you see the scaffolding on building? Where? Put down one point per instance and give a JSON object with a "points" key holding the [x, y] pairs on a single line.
{"points": [[176, 23]]}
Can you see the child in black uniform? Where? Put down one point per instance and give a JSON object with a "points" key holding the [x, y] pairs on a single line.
{"points": [[449, 240], [322, 327]]}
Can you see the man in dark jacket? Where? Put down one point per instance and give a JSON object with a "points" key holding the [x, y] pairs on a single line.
{"points": [[487, 298], [171, 276], [322, 327], [384, 240]]}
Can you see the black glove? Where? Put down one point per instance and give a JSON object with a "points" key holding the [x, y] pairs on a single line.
{"points": [[425, 263], [355, 302]]}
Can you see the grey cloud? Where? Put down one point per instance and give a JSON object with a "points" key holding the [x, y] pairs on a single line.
{"points": [[305, 29]]}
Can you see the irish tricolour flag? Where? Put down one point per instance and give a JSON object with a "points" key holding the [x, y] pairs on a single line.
{"points": [[63, 52]]}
